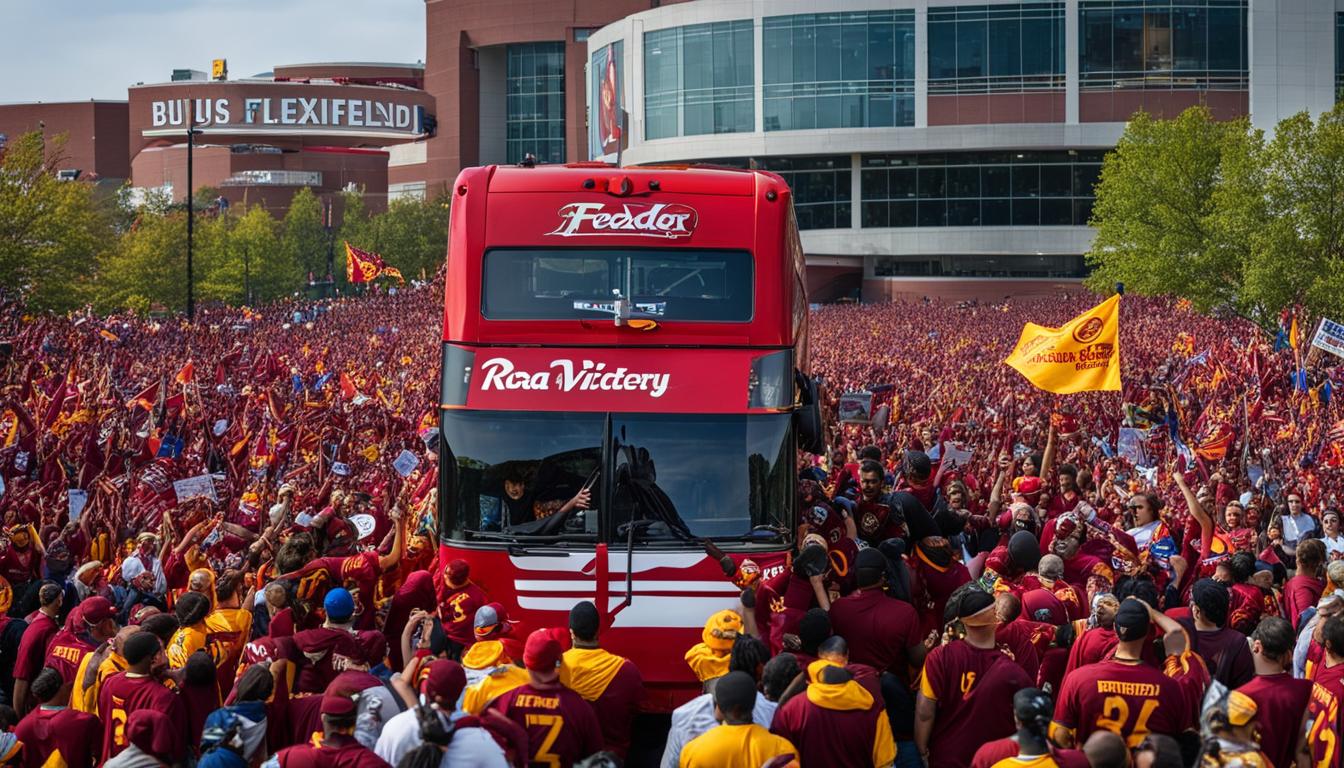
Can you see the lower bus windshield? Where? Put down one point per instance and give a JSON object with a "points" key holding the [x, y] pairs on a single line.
{"points": [[681, 477]]}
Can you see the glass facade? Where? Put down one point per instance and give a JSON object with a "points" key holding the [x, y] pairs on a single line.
{"points": [[821, 186], [979, 189], [535, 88], [1339, 56], [698, 79], [987, 48], [1182, 44], [839, 70], [980, 266]]}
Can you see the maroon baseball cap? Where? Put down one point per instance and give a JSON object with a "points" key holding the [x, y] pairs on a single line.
{"points": [[444, 679], [542, 652], [96, 610], [337, 705]]}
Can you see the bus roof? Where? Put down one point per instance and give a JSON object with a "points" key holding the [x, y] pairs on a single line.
{"points": [[548, 213]]}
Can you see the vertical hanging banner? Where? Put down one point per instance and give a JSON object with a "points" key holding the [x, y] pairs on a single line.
{"points": [[606, 103], [1080, 356]]}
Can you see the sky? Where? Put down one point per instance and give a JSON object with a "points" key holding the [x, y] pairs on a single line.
{"points": [[74, 50]]}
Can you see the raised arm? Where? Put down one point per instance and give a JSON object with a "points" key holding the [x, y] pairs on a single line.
{"points": [[1048, 457]]}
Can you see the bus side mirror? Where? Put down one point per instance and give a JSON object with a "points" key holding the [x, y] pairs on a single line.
{"points": [[807, 419]]}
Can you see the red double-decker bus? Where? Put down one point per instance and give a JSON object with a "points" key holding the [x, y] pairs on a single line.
{"points": [[623, 394]]}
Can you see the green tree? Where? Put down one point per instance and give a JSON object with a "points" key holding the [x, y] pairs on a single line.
{"points": [[412, 235], [50, 231], [304, 239], [269, 273], [238, 259], [1155, 214], [1298, 253], [147, 266]]}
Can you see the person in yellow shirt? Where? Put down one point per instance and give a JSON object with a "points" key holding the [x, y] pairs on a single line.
{"points": [[96, 667], [708, 659], [737, 742], [199, 631]]}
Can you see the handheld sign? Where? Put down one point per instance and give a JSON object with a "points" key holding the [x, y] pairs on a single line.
{"points": [[78, 498], [856, 407], [405, 463], [200, 486]]}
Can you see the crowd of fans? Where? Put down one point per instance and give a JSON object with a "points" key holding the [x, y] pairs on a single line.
{"points": [[219, 549]]}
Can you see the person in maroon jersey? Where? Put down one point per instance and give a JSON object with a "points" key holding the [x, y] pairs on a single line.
{"points": [[561, 727], [967, 687], [21, 554], [1030, 746], [337, 745], [74, 739], [459, 598], [1303, 590], [42, 627], [1098, 638], [150, 741], [610, 683], [140, 687], [87, 627], [1280, 698], [883, 632], [323, 653], [1123, 694], [1321, 722], [359, 573], [836, 721], [1224, 649]]}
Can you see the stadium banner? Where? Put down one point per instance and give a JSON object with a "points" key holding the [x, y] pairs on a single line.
{"points": [[1080, 356], [1329, 337], [606, 106]]}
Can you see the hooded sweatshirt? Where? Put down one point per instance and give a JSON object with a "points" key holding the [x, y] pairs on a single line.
{"points": [[836, 724]]}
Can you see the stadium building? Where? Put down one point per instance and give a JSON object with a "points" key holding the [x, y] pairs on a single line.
{"points": [[937, 148]]}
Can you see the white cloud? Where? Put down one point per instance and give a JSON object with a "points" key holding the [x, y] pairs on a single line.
{"points": [[72, 50]]}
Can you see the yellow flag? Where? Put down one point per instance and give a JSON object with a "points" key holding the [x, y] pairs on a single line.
{"points": [[1081, 355]]}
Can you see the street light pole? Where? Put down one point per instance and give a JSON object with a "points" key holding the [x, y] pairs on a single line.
{"points": [[191, 214]]}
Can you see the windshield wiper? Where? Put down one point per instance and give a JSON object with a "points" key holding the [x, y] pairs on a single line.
{"points": [[761, 533]]}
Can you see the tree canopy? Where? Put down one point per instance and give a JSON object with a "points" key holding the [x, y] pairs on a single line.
{"points": [[1216, 213], [64, 244]]}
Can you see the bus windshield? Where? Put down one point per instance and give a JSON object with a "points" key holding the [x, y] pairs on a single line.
{"points": [[516, 475], [659, 283]]}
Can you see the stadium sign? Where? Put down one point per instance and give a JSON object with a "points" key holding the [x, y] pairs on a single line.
{"points": [[288, 112]]}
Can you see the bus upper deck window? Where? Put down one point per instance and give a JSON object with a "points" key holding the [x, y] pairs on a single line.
{"points": [[573, 283]]}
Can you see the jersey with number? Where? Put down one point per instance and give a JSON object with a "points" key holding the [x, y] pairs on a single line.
{"points": [[561, 727], [1324, 731], [973, 688], [1131, 699], [124, 693]]}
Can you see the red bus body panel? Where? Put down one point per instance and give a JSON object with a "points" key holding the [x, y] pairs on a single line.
{"points": [[707, 365]]}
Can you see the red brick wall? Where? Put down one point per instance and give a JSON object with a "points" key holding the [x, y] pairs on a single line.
{"points": [[454, 27], [95, 132], [1120, 105], [990, 108]]}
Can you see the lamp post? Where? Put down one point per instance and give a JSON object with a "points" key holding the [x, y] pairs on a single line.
{"points": [[192, 130]]}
